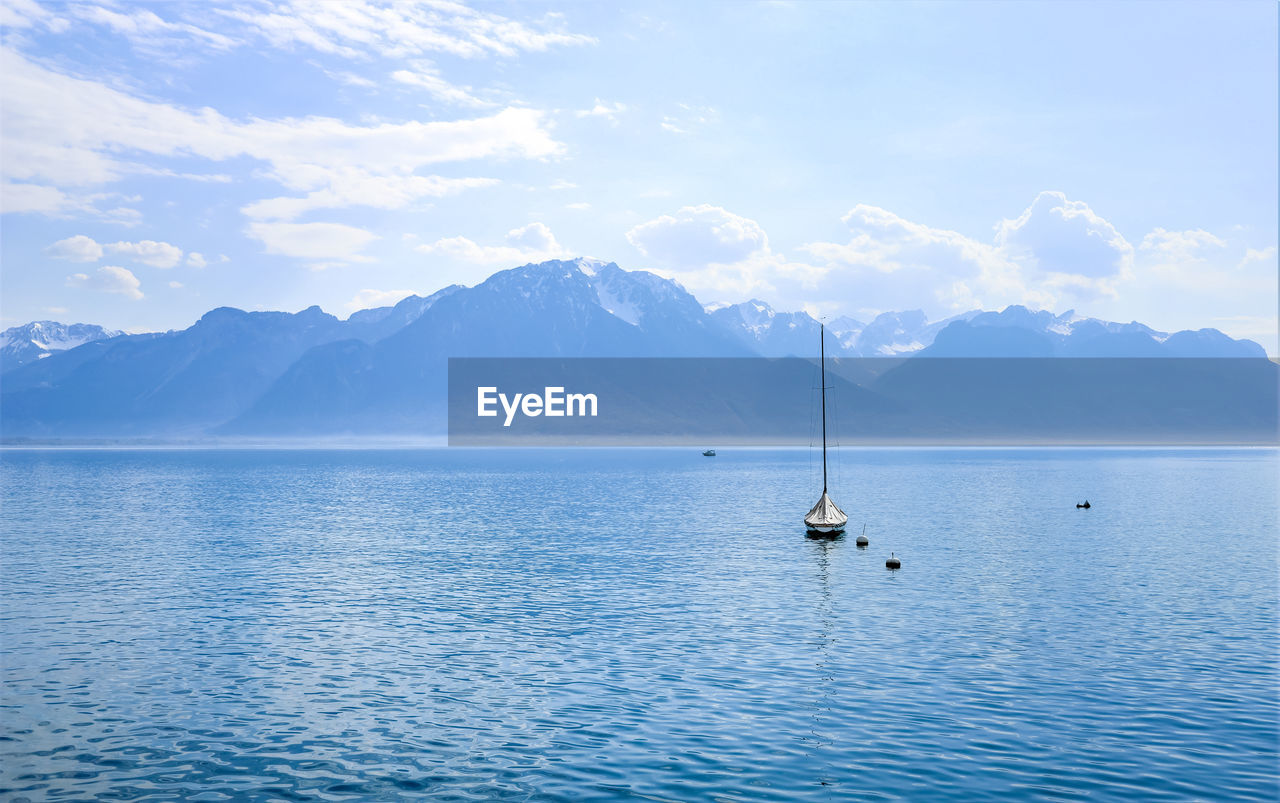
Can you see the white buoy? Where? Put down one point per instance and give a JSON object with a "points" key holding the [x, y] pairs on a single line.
{"points": [[862, 539], [893, 562]]}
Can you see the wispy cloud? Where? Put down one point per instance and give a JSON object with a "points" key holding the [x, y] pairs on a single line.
{"points": [[359, 29], [426, 77], [78, 142], [608, 111], [326, 243], [367, 299]]}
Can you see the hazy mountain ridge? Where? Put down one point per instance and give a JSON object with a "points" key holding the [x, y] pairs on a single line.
{"points": [[384, 370]]}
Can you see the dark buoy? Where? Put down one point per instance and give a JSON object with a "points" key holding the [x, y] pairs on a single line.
{"points": [[1086, 505], [892, 562], [862, 539]]}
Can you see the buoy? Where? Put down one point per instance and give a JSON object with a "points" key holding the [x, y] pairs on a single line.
{"points": [[893, 562], [862, 539]]}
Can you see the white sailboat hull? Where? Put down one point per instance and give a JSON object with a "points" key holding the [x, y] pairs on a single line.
{"points": [[824, 528]]}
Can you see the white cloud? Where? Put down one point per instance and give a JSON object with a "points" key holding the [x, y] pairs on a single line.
{"points": [[175, 285], [148, 252], [1057, 252], [79, 248], [21, 197], [609, 111], [689, 118], [1264, 255], [62, 131], [720, 254], [1180, 244], [1058, 236], [697, 235], [196, 260], [368, 299], [108, 279], [582, 205], [357, 28], [145, 28], [355, 188], [427, 77], [18, 14], [331, 243], [531, 243]]}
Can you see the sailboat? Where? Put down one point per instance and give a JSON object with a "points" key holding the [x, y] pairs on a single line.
{"points": [[825, 518]]}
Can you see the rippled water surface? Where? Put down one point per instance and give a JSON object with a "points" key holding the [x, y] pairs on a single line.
{"points": [[601, 624]]}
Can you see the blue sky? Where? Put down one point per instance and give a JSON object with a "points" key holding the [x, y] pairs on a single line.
{"points": [[1119, 159]]}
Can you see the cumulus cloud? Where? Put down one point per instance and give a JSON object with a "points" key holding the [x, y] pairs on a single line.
{"points": [[196, 260], [531, 243], [148, 252], [713, 251], [698, 235], [1057, 254], [79, 248], [368, 299], [1058, 236], [328, 242], [108, 279], [1058, 251], [82, 248]]}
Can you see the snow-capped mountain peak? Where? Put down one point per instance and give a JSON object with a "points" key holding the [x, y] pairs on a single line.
{"points": [[39, 339]]}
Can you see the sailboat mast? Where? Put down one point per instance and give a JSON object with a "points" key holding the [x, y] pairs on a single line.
{"points": [[822, 362]]}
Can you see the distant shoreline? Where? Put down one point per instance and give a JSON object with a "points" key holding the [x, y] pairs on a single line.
{"points": [[423, 444]]}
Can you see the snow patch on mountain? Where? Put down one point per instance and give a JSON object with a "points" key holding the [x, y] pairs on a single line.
{"points": [[37, 340]]}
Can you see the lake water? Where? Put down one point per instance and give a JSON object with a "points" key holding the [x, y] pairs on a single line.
{"points": [[550, 624]]}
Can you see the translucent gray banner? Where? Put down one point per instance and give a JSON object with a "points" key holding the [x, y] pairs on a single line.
{"points": [[919, 401]]}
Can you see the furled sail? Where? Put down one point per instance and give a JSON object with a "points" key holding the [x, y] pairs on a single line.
{"points": [[825, 515]]}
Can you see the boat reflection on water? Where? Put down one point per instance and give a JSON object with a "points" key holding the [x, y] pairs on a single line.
{"points": [[820, 743]]}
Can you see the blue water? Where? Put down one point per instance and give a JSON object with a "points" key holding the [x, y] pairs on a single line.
{"points": [[473, 625]]}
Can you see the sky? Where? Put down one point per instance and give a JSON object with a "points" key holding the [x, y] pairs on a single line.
{"points": [[1119, 159]]}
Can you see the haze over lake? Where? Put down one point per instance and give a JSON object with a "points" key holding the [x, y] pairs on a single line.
{"points": [[619, 624]]}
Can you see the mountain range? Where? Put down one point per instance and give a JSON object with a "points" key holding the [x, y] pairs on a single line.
{"points": [[384, 370], [39, 339]]}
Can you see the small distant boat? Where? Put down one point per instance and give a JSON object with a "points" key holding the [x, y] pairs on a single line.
{"points": [[825, 518], [709, 453], [1086, 505]]}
